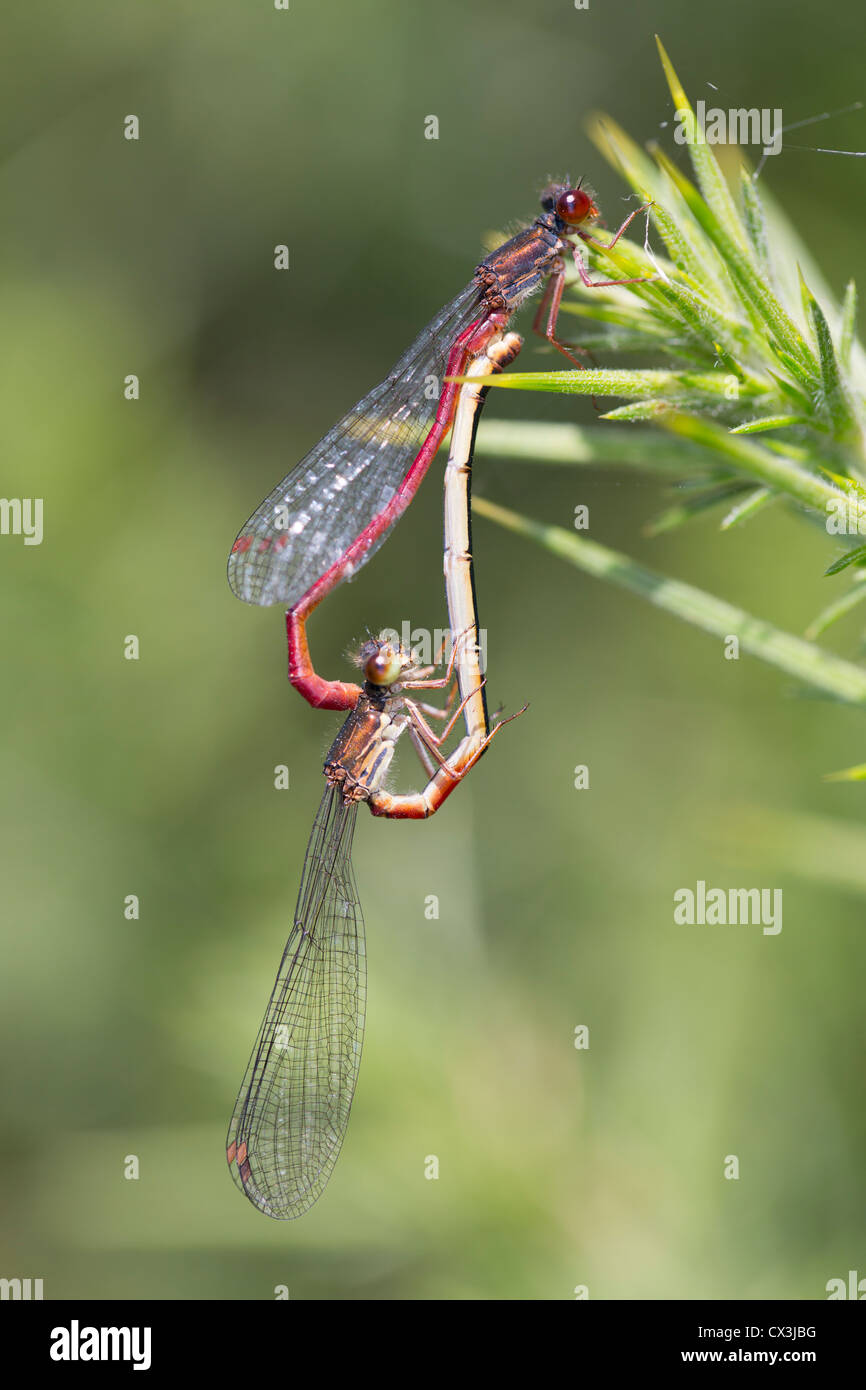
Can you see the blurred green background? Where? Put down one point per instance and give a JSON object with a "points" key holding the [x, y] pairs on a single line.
{"points": [[155, 777]]}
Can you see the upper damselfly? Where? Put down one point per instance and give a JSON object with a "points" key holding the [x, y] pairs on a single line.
{"points": [[336, 507]]}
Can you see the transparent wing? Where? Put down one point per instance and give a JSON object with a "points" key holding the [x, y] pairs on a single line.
{"points": [[293, 1107], [306, 525]]}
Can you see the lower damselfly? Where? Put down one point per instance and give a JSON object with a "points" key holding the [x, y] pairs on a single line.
{"points": [[293, 1106]]}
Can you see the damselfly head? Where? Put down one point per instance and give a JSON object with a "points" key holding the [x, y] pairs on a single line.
{"points": [[382, 662], [572, 206]]}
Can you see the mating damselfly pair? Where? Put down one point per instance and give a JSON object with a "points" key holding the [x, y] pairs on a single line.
{"points": [[319, 525]]}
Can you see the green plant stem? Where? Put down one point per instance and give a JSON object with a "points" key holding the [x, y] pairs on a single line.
{"points": [[554, 442], [771, 470], [807, 662]]}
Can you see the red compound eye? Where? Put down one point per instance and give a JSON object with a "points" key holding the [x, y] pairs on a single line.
{"points": [[574, 206]]}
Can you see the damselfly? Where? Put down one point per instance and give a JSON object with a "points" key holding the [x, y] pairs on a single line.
{"points": [[293, 1107], [335, 508]]}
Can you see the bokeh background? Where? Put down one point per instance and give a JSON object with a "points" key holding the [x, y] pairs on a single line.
{"points": [[155, 777]]}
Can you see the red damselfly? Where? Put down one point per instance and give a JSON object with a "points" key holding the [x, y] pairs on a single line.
{"points": [[336, 507]]}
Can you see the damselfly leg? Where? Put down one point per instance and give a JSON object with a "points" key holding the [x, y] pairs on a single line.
{"points": [[552, 296]]}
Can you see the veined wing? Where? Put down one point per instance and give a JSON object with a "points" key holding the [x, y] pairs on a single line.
{"points": [[304, 527], [291, 1113]]}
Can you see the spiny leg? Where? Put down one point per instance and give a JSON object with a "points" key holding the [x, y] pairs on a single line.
{"points": [[434, 711], [441, 681], [435, 741], [606, 246], [588, 237], [423, 752], [603, 284], [420, 805], [550, 303]]}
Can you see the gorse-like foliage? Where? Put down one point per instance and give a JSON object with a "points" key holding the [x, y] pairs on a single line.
{"points": [[762, 395]]}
